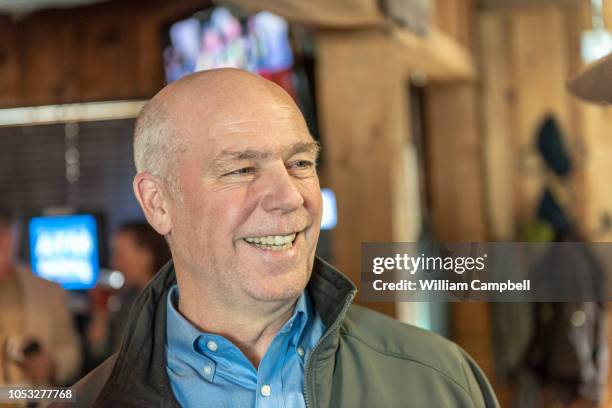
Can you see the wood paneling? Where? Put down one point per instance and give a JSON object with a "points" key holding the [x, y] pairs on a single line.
{"points": [[9, 67], [497, 125], [539, 71], [527, 55], [322, 13], [527, 3], [456, 18], [363, 117], [108, 56], [107, 51], [593, 124], [46, 55], [457, 187], [454, 163], [113, 50], [525, 65], [438, 56]]}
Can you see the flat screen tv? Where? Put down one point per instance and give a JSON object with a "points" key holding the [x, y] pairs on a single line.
{"points": [[64, 249], [218, 38], [263, 43]]}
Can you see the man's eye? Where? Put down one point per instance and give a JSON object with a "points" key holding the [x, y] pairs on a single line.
{"points": [[302, 164], [242, 172]]}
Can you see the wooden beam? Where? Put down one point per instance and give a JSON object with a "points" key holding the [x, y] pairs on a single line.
{"points": [[526, 3], [363, 116], [496, 105], [438, 56], [321, 13], [456, 180], [457, 188], [539, 72], [455, 18]]}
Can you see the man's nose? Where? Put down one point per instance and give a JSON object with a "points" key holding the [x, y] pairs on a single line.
{"points": [[282, 193]]}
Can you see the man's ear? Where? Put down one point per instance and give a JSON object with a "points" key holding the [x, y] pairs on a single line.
{"points": [[151, 195]]}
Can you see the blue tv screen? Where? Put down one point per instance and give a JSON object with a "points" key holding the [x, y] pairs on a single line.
{"points": [[64, 249]]}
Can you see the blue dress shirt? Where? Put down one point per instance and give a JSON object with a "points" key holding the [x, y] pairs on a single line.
{"points": [[207, 370]]}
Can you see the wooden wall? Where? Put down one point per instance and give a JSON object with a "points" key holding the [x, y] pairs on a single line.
{"points": [[106, 51], [593, 127], [527, 55], [363, 117], [457, 176], [457, 189], [525, 65], [456, 18]]}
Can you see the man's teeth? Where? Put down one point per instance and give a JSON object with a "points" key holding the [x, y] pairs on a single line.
{"points": [[273, 242]]}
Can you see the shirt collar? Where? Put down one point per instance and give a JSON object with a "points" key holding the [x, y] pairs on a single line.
{"points": [[181, 334], [186, 338]]}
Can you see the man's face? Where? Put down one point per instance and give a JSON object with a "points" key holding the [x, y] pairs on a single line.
{"points": [[249, 215]]}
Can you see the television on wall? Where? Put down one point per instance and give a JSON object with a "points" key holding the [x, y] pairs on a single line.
{"points": [[263, 43], [64, 249], [218, 38]]}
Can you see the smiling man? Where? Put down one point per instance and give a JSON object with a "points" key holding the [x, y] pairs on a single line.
{"points": [[245, 314]]}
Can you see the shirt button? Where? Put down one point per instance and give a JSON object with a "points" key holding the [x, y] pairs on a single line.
{"points": [[300, 351], [211, 345], [207, 370], [266, 390]]}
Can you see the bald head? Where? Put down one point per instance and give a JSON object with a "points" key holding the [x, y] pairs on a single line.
{"points": [[232, 164], [198, 104]]}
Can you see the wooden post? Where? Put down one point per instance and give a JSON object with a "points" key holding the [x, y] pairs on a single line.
{"points": [[362, 99], [456, 184]]}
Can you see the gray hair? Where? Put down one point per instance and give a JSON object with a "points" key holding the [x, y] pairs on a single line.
{"points": [[155, 145]]}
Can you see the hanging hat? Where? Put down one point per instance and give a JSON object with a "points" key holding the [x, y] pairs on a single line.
{"points": [[550, 145], [550, 211], [594, 82]]}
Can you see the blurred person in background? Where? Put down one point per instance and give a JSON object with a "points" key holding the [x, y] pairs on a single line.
{"points": [[138, 252], [38, 343]]}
